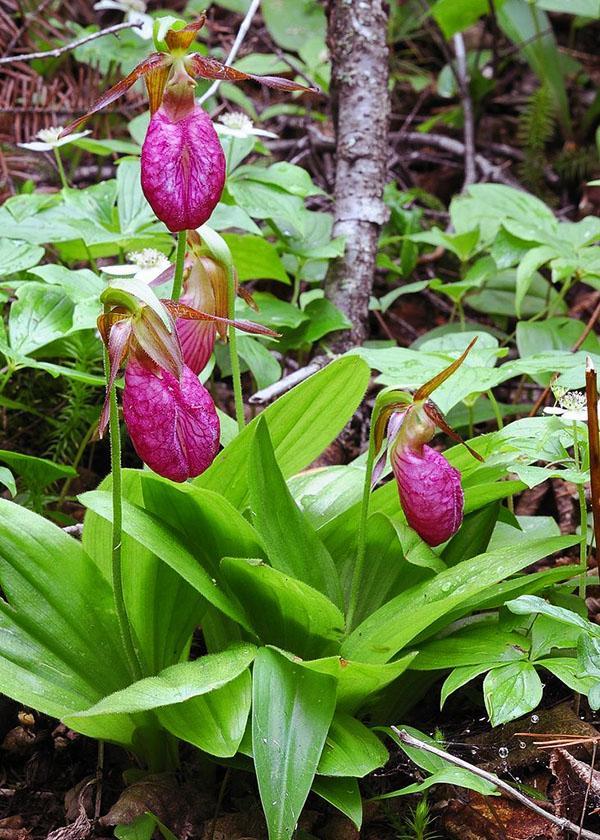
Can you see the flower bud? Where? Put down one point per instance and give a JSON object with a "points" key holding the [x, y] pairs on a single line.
{"points": [[173, 423], [183, 168]]}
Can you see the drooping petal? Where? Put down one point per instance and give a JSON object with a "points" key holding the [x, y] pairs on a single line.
{"points": [[179, 310], [118, 347], [152, 62], [204, 67], [183, 168], [173, 423], [157, 342], [430, 492], [197, 337]]}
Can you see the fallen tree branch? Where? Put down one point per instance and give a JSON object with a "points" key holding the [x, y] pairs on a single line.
{"points": [[58, 51], [455, 147], [561, 822], [269, 393], [235, 48]]}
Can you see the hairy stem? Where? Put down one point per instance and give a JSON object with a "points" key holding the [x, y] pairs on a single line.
{"points": [[361, 542], [179, 261], [117, 532], [233, 354]]}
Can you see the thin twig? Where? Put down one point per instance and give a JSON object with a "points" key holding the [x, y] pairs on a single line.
{"points": [[462, 73], [561, 822], [118, 27], [277, 388], [27, 21], [455, 147], [239, 38], [587, 790]]}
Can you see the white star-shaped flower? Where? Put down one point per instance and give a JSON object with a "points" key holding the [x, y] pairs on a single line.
{"points": [[49, 138], [145, 265], [239, 125]]}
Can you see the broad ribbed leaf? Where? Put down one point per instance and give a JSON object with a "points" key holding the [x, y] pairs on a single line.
{"points": [[351, 749], [343, 794], [163, 541], [301, 423], [282, 610], [291, 542], [59, 649], [205, 702], [162, 607], [399, 621], [292, 710]]}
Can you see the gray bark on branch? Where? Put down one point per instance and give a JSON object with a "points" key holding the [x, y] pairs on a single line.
{"points": [[360, 101]]}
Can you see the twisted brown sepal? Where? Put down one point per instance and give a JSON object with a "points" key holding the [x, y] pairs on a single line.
{"points": [[434, 414], [591, 393], [201, 66], [429, 387], [152, 64], [180, 310], [182, 39]]}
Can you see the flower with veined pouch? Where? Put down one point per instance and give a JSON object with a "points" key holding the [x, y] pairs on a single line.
{"points": [[169, 414], [183, 165], [429, 487]]}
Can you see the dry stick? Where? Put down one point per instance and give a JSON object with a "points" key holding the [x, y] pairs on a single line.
{"points": [[28, 20], [467, 103], [591, 393], [588, 328], [561, 822], [587, 790], [118, 27], [269, 393], [239, 38], [455, 147]]}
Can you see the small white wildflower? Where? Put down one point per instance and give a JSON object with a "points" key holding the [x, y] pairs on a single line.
{"points": [[238, 124], [572, 405], [145, 265], [48, 139], [134, 11]]}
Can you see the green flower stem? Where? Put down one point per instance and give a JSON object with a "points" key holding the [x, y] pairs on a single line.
{"points": [[495, 409], [61, 169], [361, 542], [179, 261], [583, 516], [117, 532], [233, 354]]}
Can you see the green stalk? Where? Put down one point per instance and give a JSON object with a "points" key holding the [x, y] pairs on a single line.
{"points": [[117, 531], [61, 169], [179, 261], [233, 354], [583, 516], [361, 541], [496, 409]]}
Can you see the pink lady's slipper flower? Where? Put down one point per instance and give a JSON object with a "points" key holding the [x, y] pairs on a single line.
{"points": [[169, 414], [205, 288], [429, 487], [182, 166]]}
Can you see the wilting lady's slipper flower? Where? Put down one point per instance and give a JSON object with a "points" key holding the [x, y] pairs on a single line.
{"points": [[169, 414], [183, 166], [429, 487]]}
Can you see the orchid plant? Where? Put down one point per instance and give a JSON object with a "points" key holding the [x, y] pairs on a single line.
{"points": [[321, 614]]}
